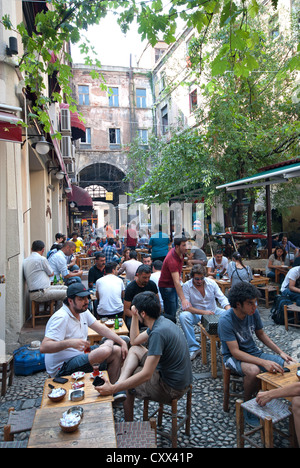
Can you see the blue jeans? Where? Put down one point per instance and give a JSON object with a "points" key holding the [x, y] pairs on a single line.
{"points": [[236, 365], [170, 300], [187, 321], [293, 296], [79, 363]]}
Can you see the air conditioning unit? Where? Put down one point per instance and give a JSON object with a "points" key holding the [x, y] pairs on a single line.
{"points": [[65, 121], [66, 148]]}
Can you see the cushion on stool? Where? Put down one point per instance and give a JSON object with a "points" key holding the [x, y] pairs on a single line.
{"points": [[275, 409]]}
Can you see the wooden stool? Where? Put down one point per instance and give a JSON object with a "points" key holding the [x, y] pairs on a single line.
{"points": [[48, 309], [268, 289], [18, 421], [291, 308], [272, 413], [86, 263], [7, 372], [214, 340], [136, 434], [186, 419], [230, 378]]}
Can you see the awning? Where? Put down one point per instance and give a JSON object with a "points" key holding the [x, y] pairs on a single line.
{"points": [[10, 129], [77, 127], [81, 197], [277, 175]]}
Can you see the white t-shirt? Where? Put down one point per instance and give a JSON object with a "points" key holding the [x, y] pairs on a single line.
{"points": [[130, 266], [155, 277], [293, 274], [62, 326], [222, 266], [110, 288]]}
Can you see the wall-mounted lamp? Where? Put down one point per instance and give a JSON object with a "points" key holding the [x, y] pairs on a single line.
{"points": [[12, 48], [72, 204], [42, 146], [68, 189], [59, 173]]}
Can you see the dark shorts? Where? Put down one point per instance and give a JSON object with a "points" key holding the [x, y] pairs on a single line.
{"points": [[79, 363]]}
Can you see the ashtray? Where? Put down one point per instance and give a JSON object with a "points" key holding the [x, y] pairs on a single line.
{"points": [[76, 410], [78, 375], [77, 395]]}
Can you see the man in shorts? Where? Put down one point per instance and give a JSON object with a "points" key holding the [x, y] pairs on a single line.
{"points": [[158, 372], [240, 352], [65, 340]]}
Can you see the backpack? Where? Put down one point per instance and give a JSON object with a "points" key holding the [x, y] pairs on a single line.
{"points": [[277, 311]]}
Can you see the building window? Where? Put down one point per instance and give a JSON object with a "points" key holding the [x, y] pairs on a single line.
{"points": [[114, 136], [164, 119], [274, 27], [86, 140], [143, 136], [83, 95], [113, 98], [141, 98], [159, 53], [96, 191], [193, 101]]}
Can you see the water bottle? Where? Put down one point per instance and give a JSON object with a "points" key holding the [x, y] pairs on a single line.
{"points": [[218, 274], [116, 323]]}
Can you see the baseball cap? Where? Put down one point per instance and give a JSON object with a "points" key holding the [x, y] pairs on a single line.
{"points": [[77, 289]]}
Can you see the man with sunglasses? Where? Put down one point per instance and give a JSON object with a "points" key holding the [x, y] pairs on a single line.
{"points": [[202, 294]]}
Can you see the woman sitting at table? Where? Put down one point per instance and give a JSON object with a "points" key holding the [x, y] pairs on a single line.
{"points": [[237, 271], [276, 259]]}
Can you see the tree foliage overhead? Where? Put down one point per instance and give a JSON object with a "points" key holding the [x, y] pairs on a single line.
{"points": [[66, 21]]}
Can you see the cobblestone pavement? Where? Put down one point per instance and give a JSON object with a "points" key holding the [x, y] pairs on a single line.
{"points": [[210, 427]]}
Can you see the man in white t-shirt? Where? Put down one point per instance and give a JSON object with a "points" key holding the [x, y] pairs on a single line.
{"points": [[130, 266], [110, 292], [217, 265], [291, 285], [65, 340], [156, 267]]}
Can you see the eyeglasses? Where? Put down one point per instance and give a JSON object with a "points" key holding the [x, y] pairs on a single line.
{"points": [[196, 278]]}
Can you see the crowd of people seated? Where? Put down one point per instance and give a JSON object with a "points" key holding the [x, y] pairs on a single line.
{"points": [[156, 361]]}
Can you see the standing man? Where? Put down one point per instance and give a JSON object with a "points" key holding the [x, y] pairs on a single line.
{"points": [[78, 242], [202, 293], [159, 243], [66, 339], [240, 352], [37, 272], [158, 372], [169, 281], [59, 264]]}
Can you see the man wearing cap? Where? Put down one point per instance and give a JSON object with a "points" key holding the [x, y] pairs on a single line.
{"points": [[66, 334]]}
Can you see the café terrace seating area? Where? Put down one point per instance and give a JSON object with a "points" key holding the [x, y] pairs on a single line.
{"points": [[100, 427]]}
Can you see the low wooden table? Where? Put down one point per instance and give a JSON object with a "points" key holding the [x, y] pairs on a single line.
{"points": [[96, 430], [280, 270], [90, 394], [186, 271], [269, 381], [260, 280], [291, 308], [94, 337], [214, 339], [223, 284]]}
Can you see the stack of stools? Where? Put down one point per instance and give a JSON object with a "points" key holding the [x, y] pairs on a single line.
{"points": [[270, 414]]}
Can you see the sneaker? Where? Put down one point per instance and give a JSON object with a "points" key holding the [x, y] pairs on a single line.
{"points": [[194, 354], [119, 397], [251, 419]]}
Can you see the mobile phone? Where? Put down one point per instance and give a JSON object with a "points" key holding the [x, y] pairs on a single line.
{"points": [[286, 369], [98, 381], [60, 380]]}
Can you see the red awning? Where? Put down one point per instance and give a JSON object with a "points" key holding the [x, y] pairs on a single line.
{"points": [[10, 129], [77, 127], [80, 196]]}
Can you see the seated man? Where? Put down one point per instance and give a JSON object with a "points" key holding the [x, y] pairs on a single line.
{"points": [[37, 272], [287, 391], [239, 349], [290, 286], [98, 270], [155, 275], [197, 256], [158, 372], [59, 264], [140, 284], [146, 259], [110, 251], [130, 266], [66, 334], [217, 265], [110, 292], [202, 293], [290, 249]]}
